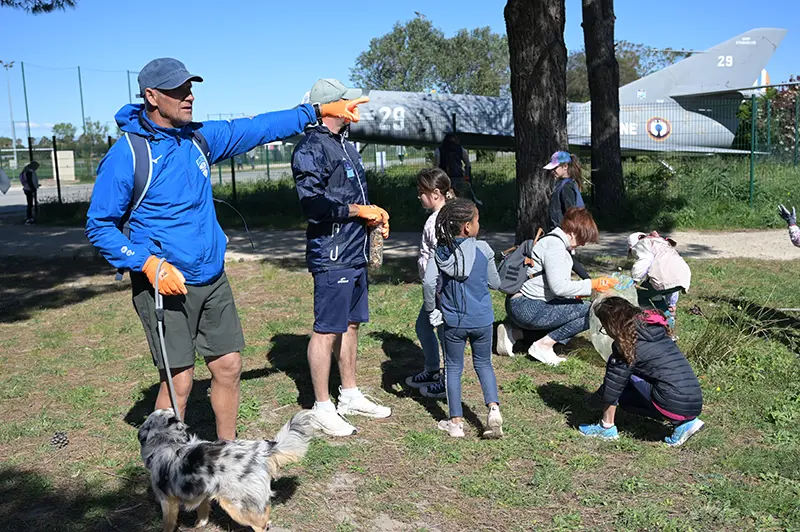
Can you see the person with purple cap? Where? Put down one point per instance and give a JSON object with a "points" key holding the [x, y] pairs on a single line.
{"points": [[173, 218], [568, 186]]}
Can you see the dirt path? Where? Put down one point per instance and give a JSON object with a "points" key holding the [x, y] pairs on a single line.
{"points": [[70, 242]]}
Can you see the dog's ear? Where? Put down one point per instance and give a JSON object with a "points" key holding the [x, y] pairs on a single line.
{"points": [[143, 432], [172, 420]]}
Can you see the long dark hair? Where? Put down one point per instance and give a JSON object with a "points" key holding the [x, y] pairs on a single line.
{"points": [[429, 179], [450, 141], [574, 171], [619, 318], [450, 222]]}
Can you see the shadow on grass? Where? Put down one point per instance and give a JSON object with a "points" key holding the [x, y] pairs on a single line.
{"points": [[394, 271], [34, 284], [199, 414], [765, 321], [578, 406], [405, 359], [289, 354], [30, 502]]}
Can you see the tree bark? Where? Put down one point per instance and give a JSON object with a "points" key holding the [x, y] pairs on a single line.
{"points": [[538, 58], [603, 70]]}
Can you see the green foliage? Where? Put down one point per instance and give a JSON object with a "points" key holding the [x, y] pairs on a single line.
{"points": [[416, 56], [474, 62], [37, 7], [635, 61], [64, 132], [403, 59]]}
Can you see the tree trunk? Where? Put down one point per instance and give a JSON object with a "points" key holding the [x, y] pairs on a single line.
{"points": [[601, 63], [538, 58]]}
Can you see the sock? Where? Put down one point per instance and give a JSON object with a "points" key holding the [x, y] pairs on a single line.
{"points": [[352, 393], [325, 405], [606, 426]]}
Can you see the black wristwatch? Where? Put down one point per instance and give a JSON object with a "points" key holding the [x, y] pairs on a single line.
{"points": [[317, 111]]}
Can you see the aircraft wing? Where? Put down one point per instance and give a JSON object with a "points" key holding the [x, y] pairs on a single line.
{"points": [[631, 147]]}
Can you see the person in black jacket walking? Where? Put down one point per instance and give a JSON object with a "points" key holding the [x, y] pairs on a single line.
{"points": [[646, 374]]}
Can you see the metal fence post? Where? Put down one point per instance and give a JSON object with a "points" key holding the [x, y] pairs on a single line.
{"points": [[233, 178], [219, 172], [796, 120], [55, 164], [130, 96], [80, 88], [266, 156], [753, 146], [25, 92], [769, 125]]}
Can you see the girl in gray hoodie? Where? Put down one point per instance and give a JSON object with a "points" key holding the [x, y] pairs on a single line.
{"points": [[467, 271]]}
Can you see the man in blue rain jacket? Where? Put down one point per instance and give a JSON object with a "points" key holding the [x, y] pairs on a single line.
{"points": [[176, 221]]}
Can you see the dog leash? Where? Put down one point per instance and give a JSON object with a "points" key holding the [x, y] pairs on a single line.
{"points": [[160, 325]]}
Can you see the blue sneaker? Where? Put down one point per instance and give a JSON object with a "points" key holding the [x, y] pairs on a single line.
{"points": [[596, 430], [435, 390], [424, 378], [683, 432]]}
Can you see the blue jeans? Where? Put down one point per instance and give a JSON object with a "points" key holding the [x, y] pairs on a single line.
{"points": [[430, 343], [455, 340], [563, 318]]}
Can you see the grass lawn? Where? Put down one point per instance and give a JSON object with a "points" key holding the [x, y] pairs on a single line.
{"points": [[74, 358]]}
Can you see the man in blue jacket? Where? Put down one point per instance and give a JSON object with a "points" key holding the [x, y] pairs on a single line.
{"points": [[176, 221], [331, 182]]}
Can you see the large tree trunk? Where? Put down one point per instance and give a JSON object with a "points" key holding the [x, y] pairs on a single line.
{"points": [[538, 58], [603, 70]]}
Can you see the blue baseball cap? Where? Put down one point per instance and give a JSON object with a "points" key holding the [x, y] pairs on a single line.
{"points": [[164, 73], [558, 158]]}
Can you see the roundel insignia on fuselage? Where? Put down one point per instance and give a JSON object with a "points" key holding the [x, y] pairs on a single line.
{"points": [[658, 128]]}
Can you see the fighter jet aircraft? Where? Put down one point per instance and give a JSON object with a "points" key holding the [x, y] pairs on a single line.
{"points": [[689, 107]]}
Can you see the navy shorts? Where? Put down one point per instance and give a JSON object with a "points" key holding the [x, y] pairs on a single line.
{"points": [[340, 298]]}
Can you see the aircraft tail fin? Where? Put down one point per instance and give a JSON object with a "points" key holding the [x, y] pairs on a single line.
{"points": [[728, 67]]}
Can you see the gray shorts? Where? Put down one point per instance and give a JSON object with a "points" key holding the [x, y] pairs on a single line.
{"points": [[204, 320]]}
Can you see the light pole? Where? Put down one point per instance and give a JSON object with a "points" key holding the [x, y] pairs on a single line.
{"points": [[8, 66]]}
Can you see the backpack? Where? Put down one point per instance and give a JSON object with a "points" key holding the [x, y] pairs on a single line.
{"points": [[143, 174], [513, 268]]}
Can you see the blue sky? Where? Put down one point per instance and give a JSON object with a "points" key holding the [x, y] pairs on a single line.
{"points": [[259, 56]]}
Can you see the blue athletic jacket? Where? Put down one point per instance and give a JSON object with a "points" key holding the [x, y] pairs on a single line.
{"points": [[329, 176], [176, 220]]}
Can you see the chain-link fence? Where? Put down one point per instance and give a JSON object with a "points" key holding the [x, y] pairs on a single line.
{"points": [[693, 161]]}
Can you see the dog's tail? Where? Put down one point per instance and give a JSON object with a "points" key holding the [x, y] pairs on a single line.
{"points": [[291, 442]]}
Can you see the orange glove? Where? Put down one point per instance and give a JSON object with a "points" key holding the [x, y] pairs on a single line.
{"points": [[171, 281], [374, 215], [385, 230], [347, 109], [601, 284]]}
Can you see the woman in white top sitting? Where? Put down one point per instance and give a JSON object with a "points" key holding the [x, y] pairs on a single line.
{"points": [[549, 300]]}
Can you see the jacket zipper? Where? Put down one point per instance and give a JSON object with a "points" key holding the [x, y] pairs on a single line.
{"points": [[363, 196]]}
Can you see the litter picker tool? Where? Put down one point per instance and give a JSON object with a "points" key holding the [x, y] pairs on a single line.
{"points": [[160, 324]]}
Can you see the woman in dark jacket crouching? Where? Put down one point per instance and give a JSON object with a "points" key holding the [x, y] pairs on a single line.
{"points": [[646, 373]]}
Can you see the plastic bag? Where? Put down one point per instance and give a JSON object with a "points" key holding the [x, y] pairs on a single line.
{"points": [[625, 289]]}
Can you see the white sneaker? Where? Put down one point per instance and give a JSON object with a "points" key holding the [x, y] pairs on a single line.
{"points": [[494, 424], [331, 423], [455, 430], [505, 340], [361, 406], [542, 355]]}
